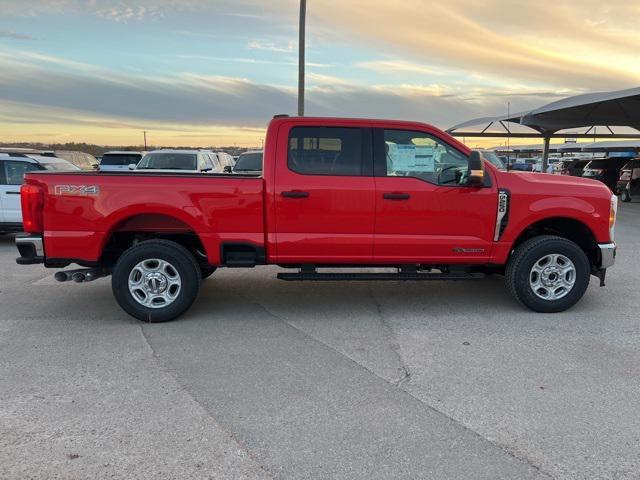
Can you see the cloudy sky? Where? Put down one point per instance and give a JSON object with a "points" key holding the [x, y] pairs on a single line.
{"points": [[213, 72]]}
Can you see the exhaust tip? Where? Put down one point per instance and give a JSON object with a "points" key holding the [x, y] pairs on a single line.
{"points": [[78, 277], [61, 276]]}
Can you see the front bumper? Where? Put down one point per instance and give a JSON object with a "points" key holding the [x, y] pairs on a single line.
{"points": [[31, 248], [607, 254]]}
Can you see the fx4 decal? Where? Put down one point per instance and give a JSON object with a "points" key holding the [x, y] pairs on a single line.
{"points": [[80, 190]]}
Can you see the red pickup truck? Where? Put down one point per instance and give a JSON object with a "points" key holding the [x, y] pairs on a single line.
{"points": [[333, 193]]}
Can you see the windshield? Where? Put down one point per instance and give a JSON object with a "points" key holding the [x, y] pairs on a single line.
{"points": [[249, 162], [494, 160], [168, 161], [58, 166], [120, 158], [599, 164], [79, 159]]}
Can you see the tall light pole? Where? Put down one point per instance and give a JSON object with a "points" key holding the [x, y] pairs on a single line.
{"points": [[145, 140], [508, 133], [301, 59]]}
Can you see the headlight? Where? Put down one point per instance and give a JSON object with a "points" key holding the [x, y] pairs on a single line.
{"points": [[613, 213]]}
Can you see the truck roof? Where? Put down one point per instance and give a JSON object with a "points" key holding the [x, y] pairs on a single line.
{"points": [[348, 120], [180, 150], [123, 152]]}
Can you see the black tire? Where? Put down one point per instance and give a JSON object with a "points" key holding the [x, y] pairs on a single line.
{"points": [[179, 259], [207, 271], [624, 196], [519, 271]]}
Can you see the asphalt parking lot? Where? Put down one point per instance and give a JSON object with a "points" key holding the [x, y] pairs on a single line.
{"points": [[268, 379]]}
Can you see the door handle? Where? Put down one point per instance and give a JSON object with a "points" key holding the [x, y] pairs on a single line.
{"points": [[295, 194], [13, 193], [396, 196]]}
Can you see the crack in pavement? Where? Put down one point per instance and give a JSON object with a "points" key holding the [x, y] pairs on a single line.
{"points": [[393, 344]]}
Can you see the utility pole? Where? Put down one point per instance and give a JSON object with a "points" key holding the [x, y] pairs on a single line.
{"points": [[508, 137], [145, 140], [301, 56]]}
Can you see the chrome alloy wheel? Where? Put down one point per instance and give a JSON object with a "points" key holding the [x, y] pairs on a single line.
{"points": [[552, 277], [154, 283]]}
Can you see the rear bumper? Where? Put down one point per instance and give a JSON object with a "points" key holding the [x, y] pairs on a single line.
{"points": [[31, 248], [607, 254]]}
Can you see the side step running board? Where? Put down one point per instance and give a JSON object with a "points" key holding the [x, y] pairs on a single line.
{"points": [[333, 277]]}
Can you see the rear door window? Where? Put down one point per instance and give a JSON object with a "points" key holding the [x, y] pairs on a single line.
{"points": [[14, 171], [326, 151]]}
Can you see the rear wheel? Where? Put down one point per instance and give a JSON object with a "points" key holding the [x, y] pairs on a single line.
{"points": [[625, 196], [548, 274], [156, 280]]}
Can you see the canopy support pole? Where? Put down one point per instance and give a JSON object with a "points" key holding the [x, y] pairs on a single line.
{"points": [[545, 153]]}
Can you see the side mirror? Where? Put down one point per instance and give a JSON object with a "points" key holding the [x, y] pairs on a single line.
{"points": [[228, 169], [132, 166], [476, 170]]}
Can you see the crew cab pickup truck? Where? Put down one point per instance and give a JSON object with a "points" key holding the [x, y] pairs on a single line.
{"points": [[334, 193]]}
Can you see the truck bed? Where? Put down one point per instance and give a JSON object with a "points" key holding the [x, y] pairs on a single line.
{"points": [[82, 211]]}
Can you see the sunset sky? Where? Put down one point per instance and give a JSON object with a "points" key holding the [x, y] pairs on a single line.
{"points": [[196, 72]]}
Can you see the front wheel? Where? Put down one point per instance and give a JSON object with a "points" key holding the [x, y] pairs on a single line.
{"points": [[548, 274], [624, 196], [156, 280]]}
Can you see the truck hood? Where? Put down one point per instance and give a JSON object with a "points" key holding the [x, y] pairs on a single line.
{"points": [[535, 197], [552, 185]]}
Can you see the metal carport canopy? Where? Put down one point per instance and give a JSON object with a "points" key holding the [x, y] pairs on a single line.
{"points": [[626, 146], [610, 109]]}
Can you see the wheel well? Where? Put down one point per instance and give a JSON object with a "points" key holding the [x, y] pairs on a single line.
{"points": [[568, 228], [139, 228]]}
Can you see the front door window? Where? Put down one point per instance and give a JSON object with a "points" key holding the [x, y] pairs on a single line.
{"points": [[420, 155]]}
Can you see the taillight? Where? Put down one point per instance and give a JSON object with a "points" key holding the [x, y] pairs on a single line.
{"points": [[32, 199], [613, 212]]}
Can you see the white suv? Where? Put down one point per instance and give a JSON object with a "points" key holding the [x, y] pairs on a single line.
{"points": [[186, 161], [13, 166]]}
